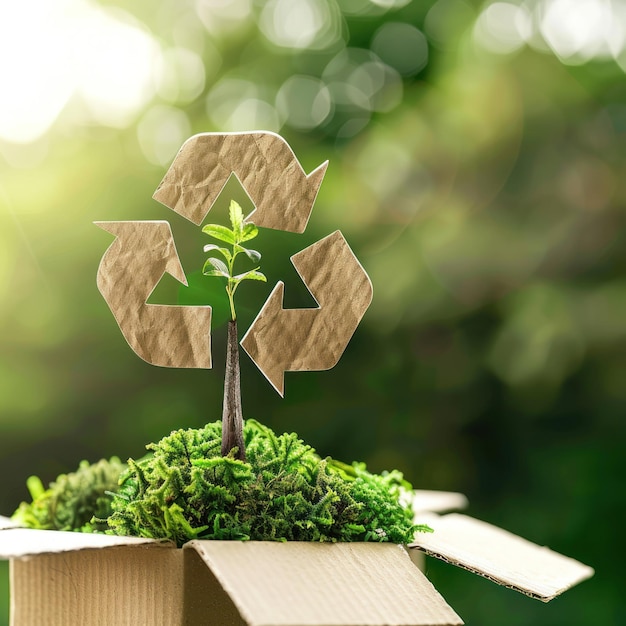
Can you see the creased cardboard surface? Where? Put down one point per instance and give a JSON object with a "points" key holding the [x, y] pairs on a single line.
{"points": [[343, 584], [164, 335], [22, 542], [500, 556], [264, 164], [281, 340], [139, 585]]}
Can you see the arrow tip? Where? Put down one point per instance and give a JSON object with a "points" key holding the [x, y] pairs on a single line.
{"points": [[317, 175], [262, 343], [110, 227]]}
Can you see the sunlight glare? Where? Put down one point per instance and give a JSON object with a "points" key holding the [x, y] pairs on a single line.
{"points": [[116, 69], [36, 83], [53, 51], [578, 29]]}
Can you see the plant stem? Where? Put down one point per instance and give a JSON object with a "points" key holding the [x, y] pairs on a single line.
{"points": [[231, 299], [232, 414]]}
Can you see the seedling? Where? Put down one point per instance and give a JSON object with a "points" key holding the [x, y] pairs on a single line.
{"points": [[232, 414]]}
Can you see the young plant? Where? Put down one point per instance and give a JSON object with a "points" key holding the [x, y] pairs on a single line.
{"points": [[232, 414]]}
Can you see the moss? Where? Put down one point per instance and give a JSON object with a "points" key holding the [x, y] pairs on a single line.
{"points": [[283, 491], [79, 501], [185, 489]]}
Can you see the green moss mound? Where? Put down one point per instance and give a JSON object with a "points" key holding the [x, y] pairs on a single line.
{"points": [[79, 501], [284, 491]]}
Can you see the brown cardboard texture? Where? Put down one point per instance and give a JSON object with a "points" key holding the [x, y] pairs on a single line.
{"points": [[216, 582], [64, 578], [500, 556], [169, 336], [281, 340], [283, 195]]}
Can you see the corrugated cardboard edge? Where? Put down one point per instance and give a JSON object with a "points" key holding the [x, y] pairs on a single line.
{"points": [[304, 583], [500, 556], [140, 583], [437, 501], [16, 543]]}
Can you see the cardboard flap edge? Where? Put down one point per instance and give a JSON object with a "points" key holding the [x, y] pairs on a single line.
{"points": [[7, 522], [16, 543], [374, 569], [500, 556], [431, 501]]}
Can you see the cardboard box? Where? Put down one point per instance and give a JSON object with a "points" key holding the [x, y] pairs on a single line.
{"points": [[64, 578]]}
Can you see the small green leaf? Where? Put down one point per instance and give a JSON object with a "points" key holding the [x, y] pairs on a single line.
{"points": [[251, 275], [253, 255], [236, 218], [215, 267], [219, 232], [423, 528], [213, 272], [223, 251], [250, 231]]}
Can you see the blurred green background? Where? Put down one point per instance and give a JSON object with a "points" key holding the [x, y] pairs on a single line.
{"points": [[477, 163]]}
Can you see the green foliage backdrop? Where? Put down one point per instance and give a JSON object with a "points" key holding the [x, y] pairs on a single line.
{"points": [[477, 157]]}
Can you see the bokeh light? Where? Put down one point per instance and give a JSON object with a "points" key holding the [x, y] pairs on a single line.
{"points": [[161, 132], [300, 24], [180, 76], [304, 102], [401, 46], [65, 49], [503, 27], [575, 30]]}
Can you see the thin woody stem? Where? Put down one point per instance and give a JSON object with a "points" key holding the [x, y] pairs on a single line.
{"points": [[232, 414]]}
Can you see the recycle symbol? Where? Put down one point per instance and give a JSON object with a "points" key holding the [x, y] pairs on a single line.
{"points": [[283, 195]]}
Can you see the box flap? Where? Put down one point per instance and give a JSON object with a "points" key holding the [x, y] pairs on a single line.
{"points": [[7, 522], [438, 501], [500, 556], [22, 542], [343, 584]]}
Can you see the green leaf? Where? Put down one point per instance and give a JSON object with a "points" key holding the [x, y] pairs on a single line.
{"points": [[223, 251], [219, 232], [253, 255], [251, 275], [207, 270], [423, 528], [215, 267], [236, 218], [250, 231]]}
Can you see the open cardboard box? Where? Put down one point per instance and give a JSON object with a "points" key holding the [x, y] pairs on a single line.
{"points": [[66, 579]]}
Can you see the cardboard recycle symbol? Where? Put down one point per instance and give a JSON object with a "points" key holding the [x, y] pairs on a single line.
{"points": [[283, 194]]}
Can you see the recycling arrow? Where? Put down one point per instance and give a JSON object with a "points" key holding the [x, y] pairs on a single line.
{"points": [[281, 340], [169, 336], [282, 193]]}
